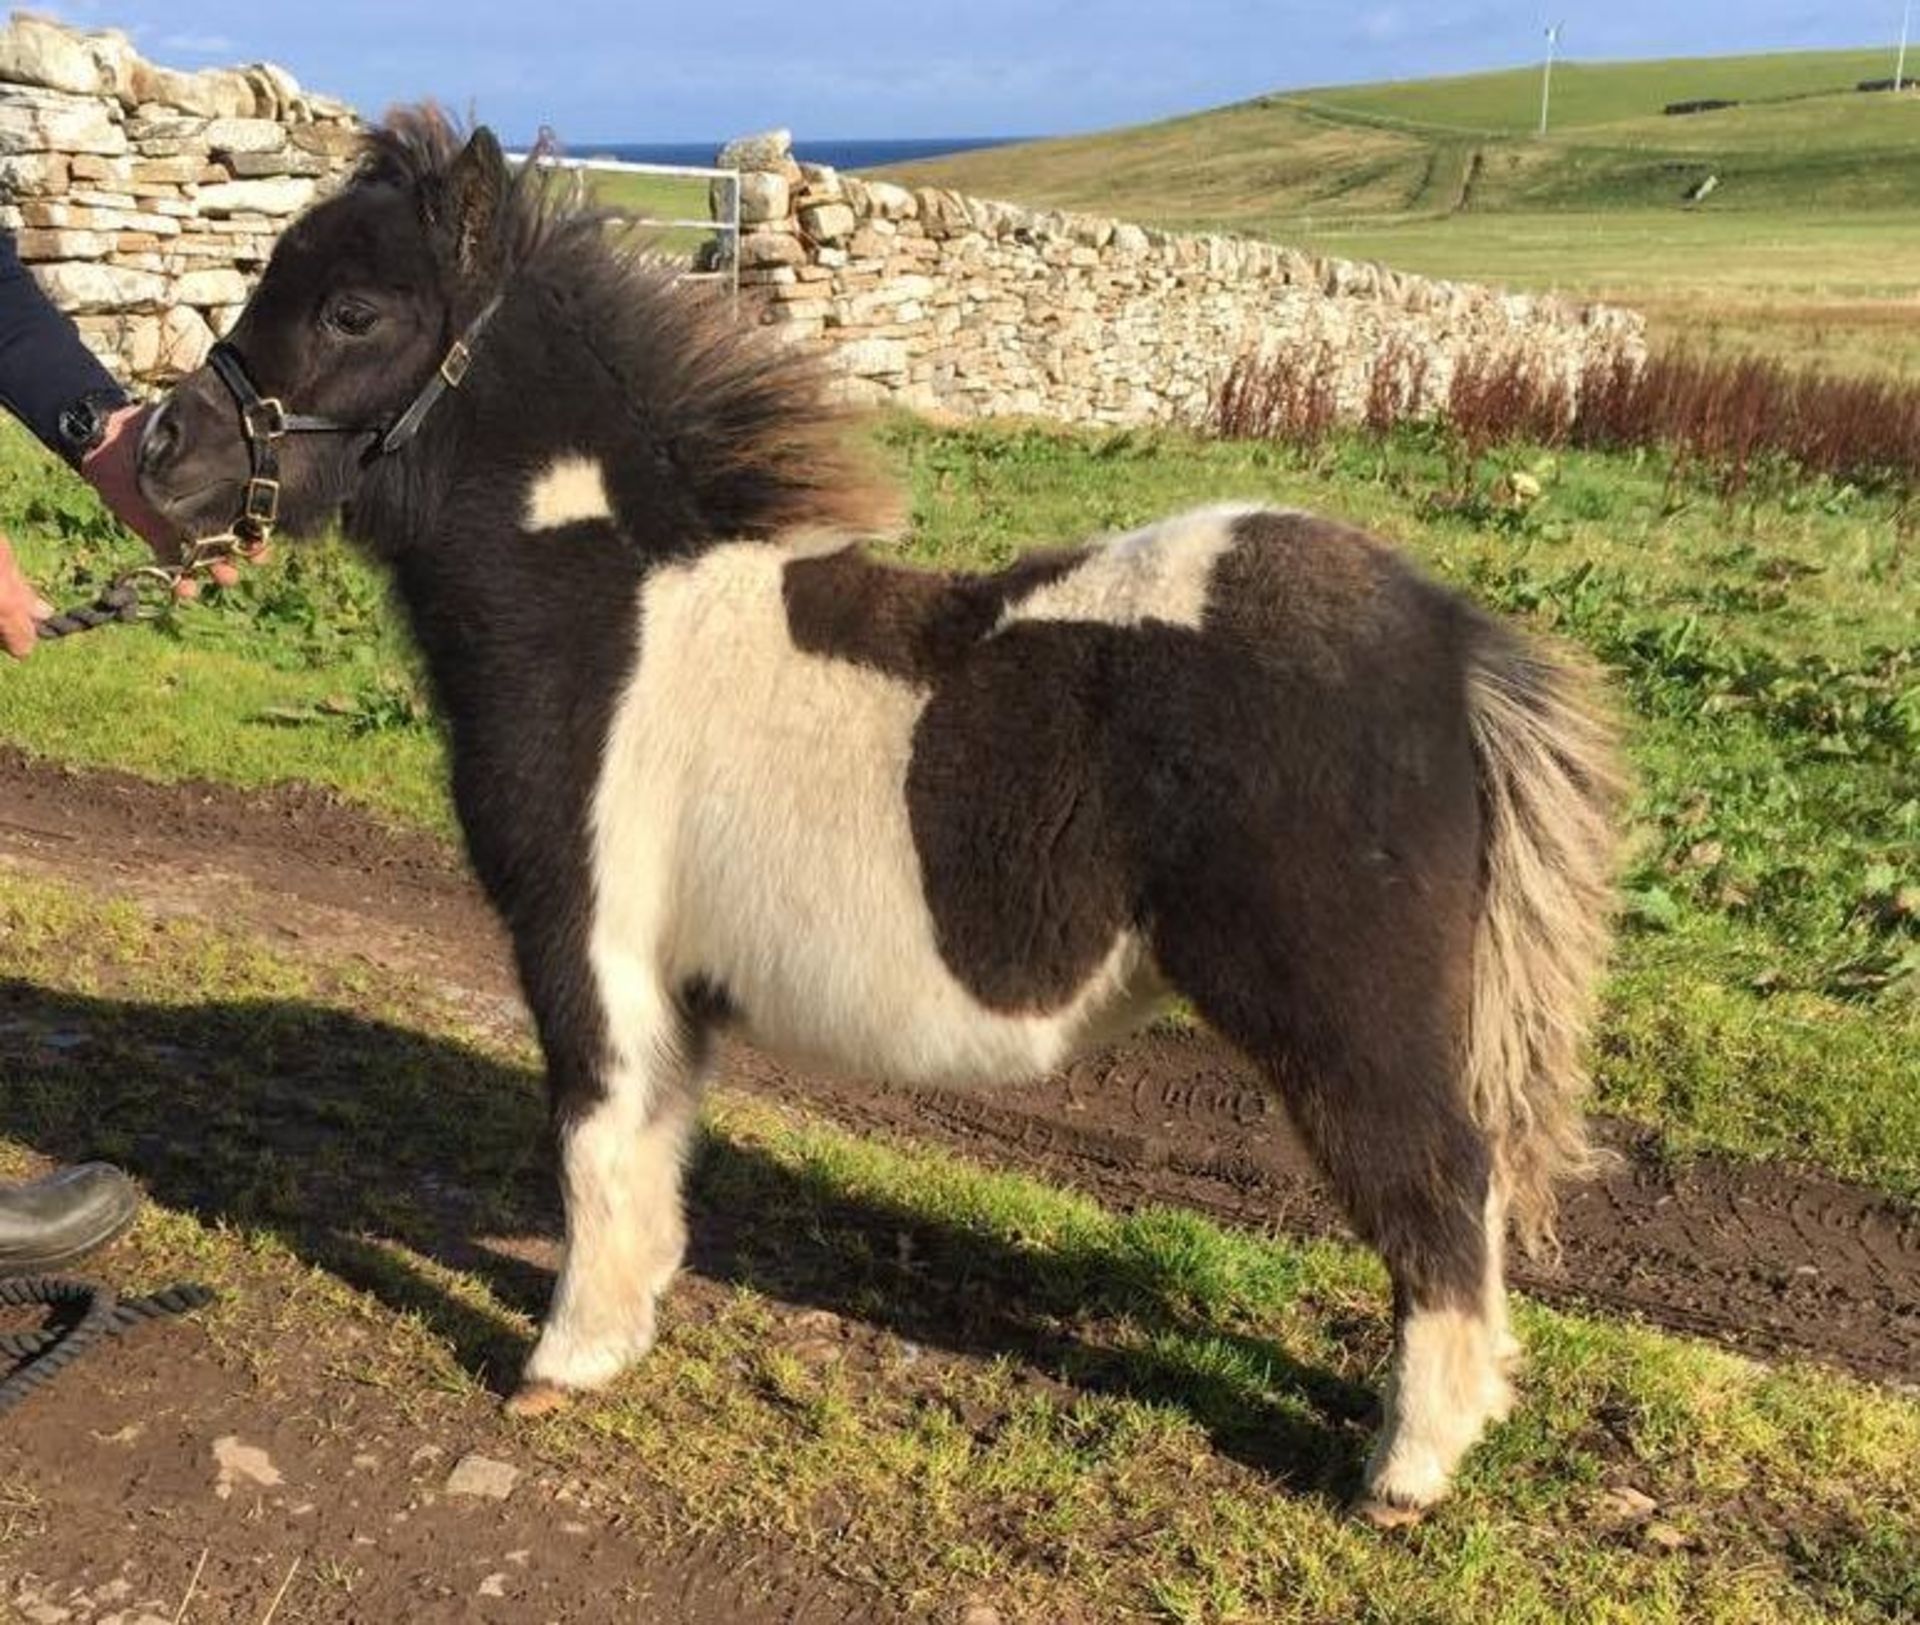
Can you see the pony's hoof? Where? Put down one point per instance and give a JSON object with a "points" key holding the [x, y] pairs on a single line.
{"points": [[1387, 1514], [537, 1399]]}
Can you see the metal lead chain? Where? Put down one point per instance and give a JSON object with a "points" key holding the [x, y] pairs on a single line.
{"points": [[123, 598]]}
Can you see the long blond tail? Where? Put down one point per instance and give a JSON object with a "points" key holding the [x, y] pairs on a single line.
{"points": [[1552, 788]]}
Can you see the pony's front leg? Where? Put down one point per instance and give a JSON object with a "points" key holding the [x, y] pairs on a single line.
{"points": [[623, 1132]]}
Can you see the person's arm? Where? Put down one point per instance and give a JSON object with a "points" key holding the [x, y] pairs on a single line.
{"points": [[44, 368], [57, 387]]}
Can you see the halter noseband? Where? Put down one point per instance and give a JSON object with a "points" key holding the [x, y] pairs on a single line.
{"points": [[263, 420]]}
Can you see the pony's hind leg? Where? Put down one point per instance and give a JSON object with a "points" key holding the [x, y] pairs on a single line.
{"points": [[1452, 1347], [1416, 1177], [623, 1133], [1365, 1052]]}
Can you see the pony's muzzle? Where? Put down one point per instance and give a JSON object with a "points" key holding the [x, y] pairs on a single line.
{"points": [[189, 469], [160, 440]]}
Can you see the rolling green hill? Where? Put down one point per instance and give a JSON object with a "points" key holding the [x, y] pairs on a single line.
{"points": [[1810, 241], [1801, 134], [1596, 93]]}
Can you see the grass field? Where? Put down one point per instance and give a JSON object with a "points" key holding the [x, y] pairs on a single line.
{"points": [[1808, 246], [657, 198], [653, 202], [1838, 291], [1765, 996], [1603, 93], [939, 1381]]}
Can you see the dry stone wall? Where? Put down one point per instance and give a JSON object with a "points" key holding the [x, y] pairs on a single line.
{"points": [[932, 300], [147, 200]]}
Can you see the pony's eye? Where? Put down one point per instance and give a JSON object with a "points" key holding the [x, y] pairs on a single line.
{"points": [[353, 317]]}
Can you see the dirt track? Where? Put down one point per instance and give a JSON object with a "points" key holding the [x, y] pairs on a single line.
{"points": [[1759, 1256], [124, 1502]]}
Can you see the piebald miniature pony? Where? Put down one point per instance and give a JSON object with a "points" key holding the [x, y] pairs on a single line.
{"points": [[718, 768]]}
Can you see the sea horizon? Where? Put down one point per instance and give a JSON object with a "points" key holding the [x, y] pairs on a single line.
{"points": [[849, 153]]}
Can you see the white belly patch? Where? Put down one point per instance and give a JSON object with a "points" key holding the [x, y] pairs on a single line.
{"points": [[752, 828]]}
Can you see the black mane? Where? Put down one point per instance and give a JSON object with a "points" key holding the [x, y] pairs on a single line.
{"points": [[414, 148], [742, 425]]}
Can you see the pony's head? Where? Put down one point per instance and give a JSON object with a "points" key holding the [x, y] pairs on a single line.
{"points": [[583, 343], [361, 305]]}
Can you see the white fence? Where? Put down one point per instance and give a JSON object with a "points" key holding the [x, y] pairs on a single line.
{"points": [[724, 223]]}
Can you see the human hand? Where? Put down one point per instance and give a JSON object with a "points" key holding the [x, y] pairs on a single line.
{"points": [[20, 607], [112, 469]]}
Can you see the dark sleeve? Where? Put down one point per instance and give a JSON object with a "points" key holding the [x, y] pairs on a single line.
{"points": [[43, 365]]}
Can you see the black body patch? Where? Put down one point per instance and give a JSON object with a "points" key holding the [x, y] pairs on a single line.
{"points": [[912, 624], [528, 665], [1283, 801]]}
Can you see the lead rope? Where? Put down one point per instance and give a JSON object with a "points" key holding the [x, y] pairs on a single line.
{"points": [[121, 600], [40, 1356]]}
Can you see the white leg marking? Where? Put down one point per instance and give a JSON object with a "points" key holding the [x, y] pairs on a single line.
{"points": [[1444, 1389], [626, 1232], [566, 491], [621, 1161]]}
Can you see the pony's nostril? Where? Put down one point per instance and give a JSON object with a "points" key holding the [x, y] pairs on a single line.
{"points": [[160, 439]]}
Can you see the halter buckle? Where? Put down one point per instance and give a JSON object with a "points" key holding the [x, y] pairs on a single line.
{"points": [[454, 367], [265, 419], [260, 507]]}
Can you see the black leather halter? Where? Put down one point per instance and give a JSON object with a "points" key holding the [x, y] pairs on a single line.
{"points": [[263, 420]]}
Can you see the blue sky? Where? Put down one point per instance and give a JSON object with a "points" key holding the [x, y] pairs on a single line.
{"points": [[628, 70]]}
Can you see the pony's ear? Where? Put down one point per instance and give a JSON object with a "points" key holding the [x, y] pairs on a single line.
{"points": [[468, 208]]}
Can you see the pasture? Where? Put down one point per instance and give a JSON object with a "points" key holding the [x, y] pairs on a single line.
{"points": [[1805, 248], [652, 198], [933, 1357], [648, 201]]}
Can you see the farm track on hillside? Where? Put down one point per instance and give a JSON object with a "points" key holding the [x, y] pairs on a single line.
{"points": [[1763, 1257]]}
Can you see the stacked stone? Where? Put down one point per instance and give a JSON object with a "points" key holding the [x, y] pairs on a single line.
{"points": [[932, 300], [147, 200]]}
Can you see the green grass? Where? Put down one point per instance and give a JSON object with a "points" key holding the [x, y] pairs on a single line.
{"points": [[1281, 159], [654, 199], [1767, 993], [304, 672], [1392, 149], [1586, 94], [1723, 264], [939, 1381], [652, 202], [1807, 248], [1837, 291]]}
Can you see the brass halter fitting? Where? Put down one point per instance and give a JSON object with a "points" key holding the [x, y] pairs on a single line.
{"points": [[264, 421]]}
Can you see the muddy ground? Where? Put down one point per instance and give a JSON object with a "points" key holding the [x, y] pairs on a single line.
{"points": [[1756, 1255], [165, 1480], [1762, 1257]]}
